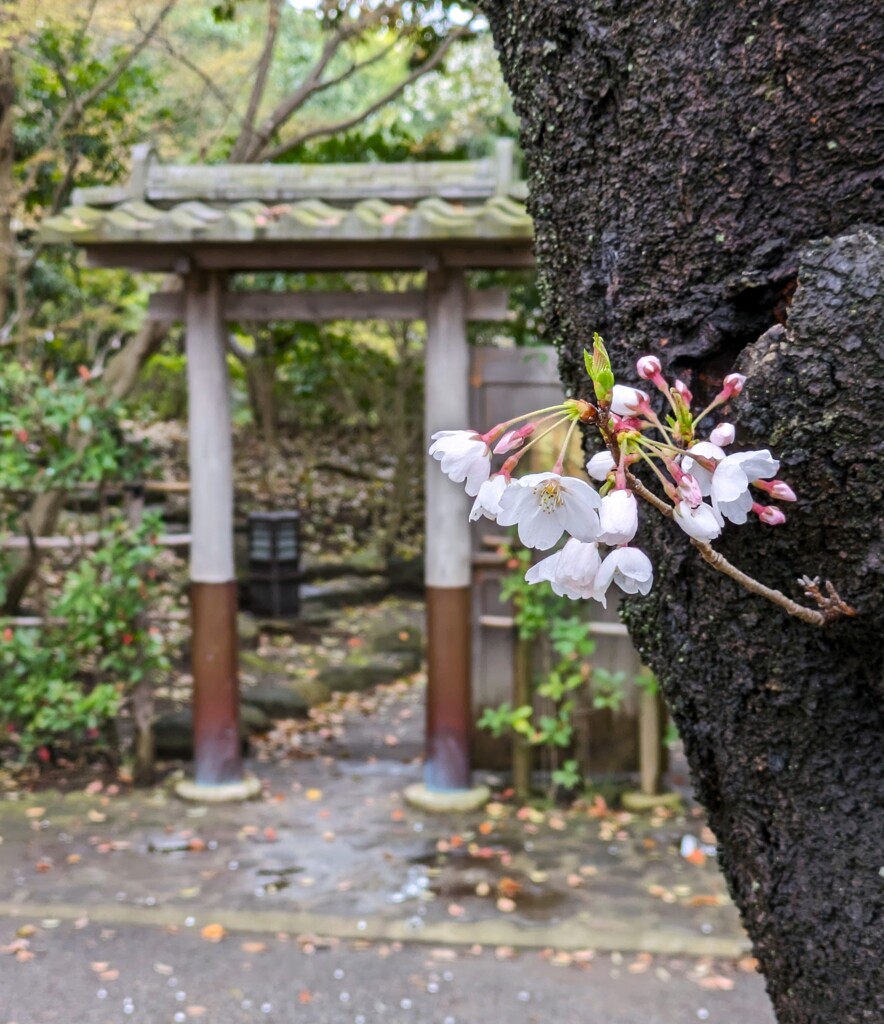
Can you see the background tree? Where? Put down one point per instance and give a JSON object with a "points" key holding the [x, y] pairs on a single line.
{"points": [[684, 162], [240, 81]]}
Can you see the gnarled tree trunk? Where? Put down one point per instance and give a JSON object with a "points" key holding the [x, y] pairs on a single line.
{"points": [[685, 161]]}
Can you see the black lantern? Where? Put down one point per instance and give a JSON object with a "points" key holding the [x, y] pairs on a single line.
{"points": [[274, 561]]}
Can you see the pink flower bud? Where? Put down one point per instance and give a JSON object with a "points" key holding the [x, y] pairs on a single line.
{"points": [[689, 490], [733, 384], [684, 391], [768, 514], [723, 435], [508, 442], [778, 489], [511, 439], [648, 367], [782, 491]]}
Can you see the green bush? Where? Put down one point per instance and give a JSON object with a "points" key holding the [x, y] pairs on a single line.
{"points": [[65, 684], [55, 432]]}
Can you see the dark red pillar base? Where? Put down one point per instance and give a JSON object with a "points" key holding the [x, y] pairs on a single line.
{"points": [[216, 746], [449, 712]]}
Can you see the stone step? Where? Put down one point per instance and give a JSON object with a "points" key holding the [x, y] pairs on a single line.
{"points": [[358, 674], [286, 700], [344, 591], [173, 732]]}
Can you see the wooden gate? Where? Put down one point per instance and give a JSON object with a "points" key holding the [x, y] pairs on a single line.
{"points": [[505, 382]]}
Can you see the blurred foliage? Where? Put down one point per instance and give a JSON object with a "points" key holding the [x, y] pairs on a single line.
{"points": [[67, 682], [563, 647], [56, 433], [94, 77]]}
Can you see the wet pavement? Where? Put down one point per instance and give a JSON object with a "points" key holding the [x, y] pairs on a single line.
{"points": [[89, 974], [254, 908]]}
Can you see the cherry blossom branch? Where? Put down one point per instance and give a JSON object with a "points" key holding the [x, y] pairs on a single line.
{"points": [[545, 505], [637, 487], [831, 606]]}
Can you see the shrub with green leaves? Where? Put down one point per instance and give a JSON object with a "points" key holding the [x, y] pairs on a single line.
{"points": [[65, 683], [57, 432]]}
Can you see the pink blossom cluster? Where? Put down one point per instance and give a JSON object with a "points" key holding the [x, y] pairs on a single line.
{"points": [[703, 484]]}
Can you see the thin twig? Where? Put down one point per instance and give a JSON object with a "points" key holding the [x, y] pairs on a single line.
{"points": [[664, 508], [391, 94], [354, 68], [259, 137], [186, 62], [722, 565], [830, 605]]}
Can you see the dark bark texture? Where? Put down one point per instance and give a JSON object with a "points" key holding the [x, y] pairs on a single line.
{"points": [[705, 181]]}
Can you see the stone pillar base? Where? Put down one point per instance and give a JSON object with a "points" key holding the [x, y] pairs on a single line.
{"points": [[446, 801], [634, 800], [246, 788]]}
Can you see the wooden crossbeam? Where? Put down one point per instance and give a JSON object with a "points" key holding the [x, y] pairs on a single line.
{"points": [[314, 307], [86, 540]]}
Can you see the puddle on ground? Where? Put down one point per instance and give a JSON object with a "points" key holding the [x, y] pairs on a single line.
{"points": [[457, 875], [280, 878]]}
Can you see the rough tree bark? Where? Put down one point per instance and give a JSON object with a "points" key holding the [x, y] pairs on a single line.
{"points": [[690, 165]]}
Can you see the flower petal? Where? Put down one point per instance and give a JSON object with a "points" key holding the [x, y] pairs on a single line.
{"points": [[515, 502], [625, 401], [702, 522], [540, 529], [618, 517], [544, 570], [600, 465], [487, 502]]}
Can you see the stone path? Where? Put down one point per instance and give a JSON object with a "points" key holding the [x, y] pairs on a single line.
{"points": [[331, 871], [98, 974]]}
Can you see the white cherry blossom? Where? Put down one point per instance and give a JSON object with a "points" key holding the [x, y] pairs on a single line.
{"points": [[487, 501], [629, 568], [625, 401], [464, 457], [702, 475], [571, 572], [545, 505], [618, 517], [702, 522], [731, 479], [600, 465]]}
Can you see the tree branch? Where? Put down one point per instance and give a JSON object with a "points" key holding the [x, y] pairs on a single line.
{"points": [[391, 94], [831, 606], [84, 28], [284, 110], [355, 67], [257, 94], [195, 69], [113, 77]]}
